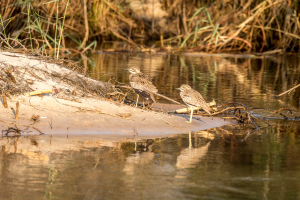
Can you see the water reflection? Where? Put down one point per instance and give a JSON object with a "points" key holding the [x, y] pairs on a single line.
{"points": [[211, 164], [137, 159], [249, 80], [190, 156], [219, 163]]}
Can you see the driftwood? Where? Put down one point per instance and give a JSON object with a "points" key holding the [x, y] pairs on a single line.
{"points": [[276, 111], [288, 91], [38, 92], [188, 109], [4, 100], [17, 130], [156, 94], [17, 110]]}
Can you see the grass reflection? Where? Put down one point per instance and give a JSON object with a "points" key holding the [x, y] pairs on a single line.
{"points": [[250, 80], [211, 163]]}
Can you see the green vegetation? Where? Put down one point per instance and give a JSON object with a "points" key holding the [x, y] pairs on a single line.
{"points": [[60, 27]]}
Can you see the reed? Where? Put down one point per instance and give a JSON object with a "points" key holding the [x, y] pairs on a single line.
{"points": [[62, 27], [199, 25]]}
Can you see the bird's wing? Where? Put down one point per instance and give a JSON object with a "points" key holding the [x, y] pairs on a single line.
{"points": [[188, 99], [194, 98], [201, 103], [142, 75], [148, 96], [142, 82]]}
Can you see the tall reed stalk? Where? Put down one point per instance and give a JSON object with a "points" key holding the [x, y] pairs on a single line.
{"points": [[55, 41], [200, 25], [2, 24], [29, 26], [62, 28]]}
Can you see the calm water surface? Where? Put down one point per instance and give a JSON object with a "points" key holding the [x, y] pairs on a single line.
{"points": [[221, 163]]}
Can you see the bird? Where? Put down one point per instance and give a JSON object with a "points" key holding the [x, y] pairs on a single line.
{"points": [[192, 98], [142, 85]]}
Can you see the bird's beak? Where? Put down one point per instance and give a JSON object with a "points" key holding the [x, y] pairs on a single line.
{"points": [[177, 88], [126, 69]]}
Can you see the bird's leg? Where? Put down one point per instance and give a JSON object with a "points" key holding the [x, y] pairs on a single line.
{"points": [[190, 140], [191, 117], [137, 100], [131, 95], [143, 104], [150, 105]]}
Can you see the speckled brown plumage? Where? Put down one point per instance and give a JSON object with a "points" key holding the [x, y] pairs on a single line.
{"points": [[142, 84], [193, 99]]}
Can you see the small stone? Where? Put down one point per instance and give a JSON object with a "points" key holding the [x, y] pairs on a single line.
{"points": [[29, 81]]}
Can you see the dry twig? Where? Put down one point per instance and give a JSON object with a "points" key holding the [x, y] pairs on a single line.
{"points": [[288, 91]]}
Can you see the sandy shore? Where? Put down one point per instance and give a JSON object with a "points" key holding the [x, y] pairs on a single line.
{"points": [[88, 116]]}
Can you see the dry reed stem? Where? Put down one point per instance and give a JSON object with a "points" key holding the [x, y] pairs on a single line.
{"points": [[242, 25], [277, 20], [245, 108], [4, 100], [28, 126], [38, 92], [34, 75], [157, 94], [276, 111], [9, 74], [17, 110], [288, 91], [69, 99], [86, 24]]}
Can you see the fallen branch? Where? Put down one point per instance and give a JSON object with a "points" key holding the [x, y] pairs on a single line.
{"points": [[17, 110], [4, 100], [276, 111], [28, 126], [229, 108], [41, 133], [288, 91], [183, 110], [160, 95], [37, 92], [69, 99], [11, 129], [13, 123], [34, 75], [244, 107]]}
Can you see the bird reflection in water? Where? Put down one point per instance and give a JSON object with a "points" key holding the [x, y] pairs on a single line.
{"points": [[190, 156]]}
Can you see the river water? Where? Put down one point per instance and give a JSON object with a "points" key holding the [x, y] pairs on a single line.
{"points": [[221, 163]]}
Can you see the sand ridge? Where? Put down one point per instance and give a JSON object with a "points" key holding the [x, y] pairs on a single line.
{"points": [[93, 115]]}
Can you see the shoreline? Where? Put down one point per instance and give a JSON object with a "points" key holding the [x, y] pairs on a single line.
{"points": [[89, 114]]}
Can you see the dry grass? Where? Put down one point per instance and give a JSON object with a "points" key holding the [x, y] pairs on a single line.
{"points": [[200, 25]]}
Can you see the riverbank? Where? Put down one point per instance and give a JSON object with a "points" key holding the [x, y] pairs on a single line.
{"points": [[62, 113]]}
